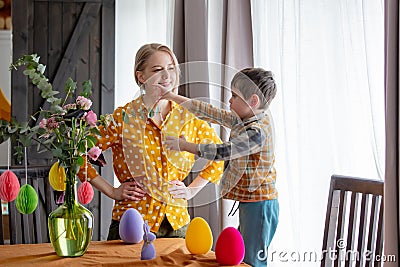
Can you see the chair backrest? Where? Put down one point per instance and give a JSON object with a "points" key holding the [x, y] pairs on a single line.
{"points": [[354, 222], [29, 228]]}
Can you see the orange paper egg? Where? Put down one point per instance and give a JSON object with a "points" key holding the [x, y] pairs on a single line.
{"points": [[199, 238], [9, 186]]}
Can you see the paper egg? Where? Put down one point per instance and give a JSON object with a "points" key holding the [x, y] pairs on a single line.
{"points": [[9, 186], [229, 249], [199, 238], [85, 193], [131, 226], [59, 197], [57, 177], [27, 199]]}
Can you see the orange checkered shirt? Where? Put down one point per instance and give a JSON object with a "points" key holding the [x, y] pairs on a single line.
{"points": [[250, 175]]}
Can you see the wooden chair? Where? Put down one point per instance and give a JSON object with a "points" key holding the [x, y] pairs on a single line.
{"points": [[30, 228], [354, 222]]}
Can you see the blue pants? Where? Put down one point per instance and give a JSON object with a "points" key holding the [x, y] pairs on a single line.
{"points": [[257, 224]]}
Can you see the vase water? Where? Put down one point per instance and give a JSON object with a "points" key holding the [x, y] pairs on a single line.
{"points": [[70, 225]]}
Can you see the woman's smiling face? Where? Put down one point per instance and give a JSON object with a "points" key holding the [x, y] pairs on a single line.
{"points": [[159, 69]]}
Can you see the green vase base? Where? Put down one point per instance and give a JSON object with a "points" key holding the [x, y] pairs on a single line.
{"points": [[70, 232]]}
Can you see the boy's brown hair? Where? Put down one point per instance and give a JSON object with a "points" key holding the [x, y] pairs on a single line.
{"points": [[257, 81]]}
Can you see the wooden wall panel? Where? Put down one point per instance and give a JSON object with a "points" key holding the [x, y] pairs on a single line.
{"points": [[56, 46], [74, 38]]}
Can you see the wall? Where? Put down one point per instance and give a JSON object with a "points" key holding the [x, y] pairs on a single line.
{"points": [[5, 79]]}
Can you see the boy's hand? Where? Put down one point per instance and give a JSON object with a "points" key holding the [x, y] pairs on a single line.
{"points": [[162, 92]]}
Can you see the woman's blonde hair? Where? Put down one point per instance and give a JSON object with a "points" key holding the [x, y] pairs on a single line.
{"points": [[145, 52]]}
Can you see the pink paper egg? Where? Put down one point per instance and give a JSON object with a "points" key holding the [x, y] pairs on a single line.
{"points": [[131, 226], [229, 249], [9, 186], [85, 193]]}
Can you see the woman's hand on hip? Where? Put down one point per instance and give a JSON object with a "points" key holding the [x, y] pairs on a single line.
{"points": [[130, 191]]}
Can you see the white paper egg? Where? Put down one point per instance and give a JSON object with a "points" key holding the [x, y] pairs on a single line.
{"points": [[131, 226]]}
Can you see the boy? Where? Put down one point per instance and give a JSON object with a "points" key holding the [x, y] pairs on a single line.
{"points": [[250, 176]]}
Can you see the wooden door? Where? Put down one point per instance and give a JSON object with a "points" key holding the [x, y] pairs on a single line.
{"points": [[74, 38]]}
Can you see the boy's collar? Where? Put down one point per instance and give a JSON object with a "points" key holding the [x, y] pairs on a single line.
{"points": [[254, 118]]}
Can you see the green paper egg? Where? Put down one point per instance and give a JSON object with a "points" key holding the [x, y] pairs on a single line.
{"points": [[26, 200]]}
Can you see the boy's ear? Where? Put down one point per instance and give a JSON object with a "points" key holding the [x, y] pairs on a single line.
{"points": [[254, 100]]}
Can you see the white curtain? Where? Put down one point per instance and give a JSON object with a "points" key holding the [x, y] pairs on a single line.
{"points": [[230, 45], [327, 57], [138, 22]]}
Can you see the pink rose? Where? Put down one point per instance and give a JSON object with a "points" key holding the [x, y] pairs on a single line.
{"points": [[52, 123], [91, 118], [94, 153], [83, 102], [43, 123], [69, 106]]}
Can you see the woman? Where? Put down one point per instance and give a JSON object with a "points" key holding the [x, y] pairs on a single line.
{"points": [[151, 178]]}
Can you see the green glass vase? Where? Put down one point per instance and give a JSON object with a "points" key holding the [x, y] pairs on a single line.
{"points": [[70, 225]]}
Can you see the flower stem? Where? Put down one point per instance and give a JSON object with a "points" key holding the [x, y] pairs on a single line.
{"points": [[70, 201]]}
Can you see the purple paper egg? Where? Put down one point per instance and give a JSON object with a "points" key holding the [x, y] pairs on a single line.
{"points": [[131, 226]]}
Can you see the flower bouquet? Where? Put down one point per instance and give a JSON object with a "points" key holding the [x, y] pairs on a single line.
{"points": [[67, 129]]}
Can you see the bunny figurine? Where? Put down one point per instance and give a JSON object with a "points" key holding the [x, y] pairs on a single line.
{"points": [[148, 250]]}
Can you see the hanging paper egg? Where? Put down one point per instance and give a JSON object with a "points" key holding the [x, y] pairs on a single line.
{"points": [[131, 226], [229, 249], [59, 197], [27, 199], [9, 186], [199, 237], [57, 177], [85, 193]]}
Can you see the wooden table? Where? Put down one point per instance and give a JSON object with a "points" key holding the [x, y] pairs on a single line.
{"points": [[169, 251]]}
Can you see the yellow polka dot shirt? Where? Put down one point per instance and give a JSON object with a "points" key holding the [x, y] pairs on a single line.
{"points": [[138, 153]]}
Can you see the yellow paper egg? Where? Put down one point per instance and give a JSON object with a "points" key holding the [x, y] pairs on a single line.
{"points": [[57, 177], [199, 238]]}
